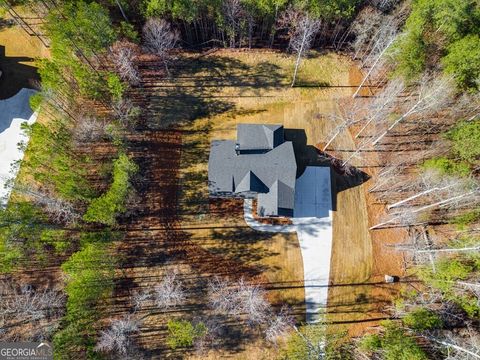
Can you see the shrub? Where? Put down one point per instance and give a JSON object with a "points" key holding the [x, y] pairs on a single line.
{"points": [[371, 343], [115, 86], [106, 208], [465, 138], [447, 166], [463, 62], [183, 333], [422, 319], [394, 344]]}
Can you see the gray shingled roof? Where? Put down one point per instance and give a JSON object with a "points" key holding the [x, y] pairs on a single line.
{"points": [[259, 137], [270, 175]]}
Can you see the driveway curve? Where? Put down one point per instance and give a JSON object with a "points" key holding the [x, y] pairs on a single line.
{"points": [[312, 222]]}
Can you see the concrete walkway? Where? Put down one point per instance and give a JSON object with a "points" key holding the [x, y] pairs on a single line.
{"points": [[313, 223], [13, 112]]}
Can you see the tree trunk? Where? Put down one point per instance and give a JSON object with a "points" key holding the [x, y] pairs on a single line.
{"points": [[121, 10], [299, 58], [418, 195], [372, 67]]}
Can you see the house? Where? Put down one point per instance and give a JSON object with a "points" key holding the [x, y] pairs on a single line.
{"points": [[259, 164]]}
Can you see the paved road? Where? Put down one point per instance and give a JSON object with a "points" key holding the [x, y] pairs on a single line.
{"points": [[313, 223], [13, 112]]}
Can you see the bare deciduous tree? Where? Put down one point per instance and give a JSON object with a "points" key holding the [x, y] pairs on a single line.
{"points": [[24, 303], [303, 30], [167, 294], [433, 95], [233, 13], [382, 104], [117, 338], [126, 112], [88, 129], [279, 327], [382, 40], [459, 345], [123, 56], [462, 193], [159, 38], [239, 299], [59, 210]]}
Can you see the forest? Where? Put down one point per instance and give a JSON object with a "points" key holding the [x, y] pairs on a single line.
{"points": [[72, 224]]}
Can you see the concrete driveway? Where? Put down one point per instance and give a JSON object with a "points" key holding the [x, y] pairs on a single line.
{"points": [[313, 223], [13, 112]]}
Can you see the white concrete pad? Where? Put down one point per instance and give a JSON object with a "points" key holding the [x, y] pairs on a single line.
{"points": [[13, 112], [313, 223]]}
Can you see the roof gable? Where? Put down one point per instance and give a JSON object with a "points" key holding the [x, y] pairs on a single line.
{"points": [[251, 182]]}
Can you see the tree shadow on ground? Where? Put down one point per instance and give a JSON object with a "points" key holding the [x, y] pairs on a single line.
{"points": [[15, 75], [244, 245], [220, 71], [192, 89]]}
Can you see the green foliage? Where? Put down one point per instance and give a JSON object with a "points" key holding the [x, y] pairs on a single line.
{"points": [[263, 10], [51, 161], [329, 9], [463, 62], [448, 272], [465, 138], [21, 224], [115, 86], [105, 208], [84, 26], [409, 55], [155, 8], [305, 346], [371, 343], [422, 319], [447, 166], [128, 32], [75, 341], [183, 333], [468, 218], [310, 343], [90, 274], [35, 101], [78, 31], [57, 238], [394, 344], [431, 30]]}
